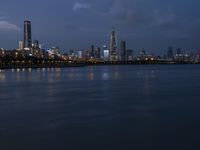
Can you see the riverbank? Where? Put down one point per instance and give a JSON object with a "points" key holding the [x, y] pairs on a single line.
{"points": [[83, 64]]}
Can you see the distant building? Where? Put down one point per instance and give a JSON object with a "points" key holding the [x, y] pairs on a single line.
{"points": [[80, 54], [55, 51], [142, 54], [179, 51], [123, 50], [71, 53], [98, 52], [27, 34], [42, 46], [92, 54], [105, 53], [170, 53], [113, 46], [21, 45], [36, 44], [2, 52], [129, 54]]}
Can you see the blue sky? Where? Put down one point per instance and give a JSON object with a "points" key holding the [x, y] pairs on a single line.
{"points": [[76, 24]]}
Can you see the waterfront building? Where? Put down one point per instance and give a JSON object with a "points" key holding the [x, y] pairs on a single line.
{"points": [[170, 53], [98, 52], [142, 54], [2, 52], [129, 54], [105, 53], [80, 54], [178, 52], [179, 56], [71, 53], [55, 50], [42, 46], [35, 44], [113, 46], [27, 34], [92, 52]]}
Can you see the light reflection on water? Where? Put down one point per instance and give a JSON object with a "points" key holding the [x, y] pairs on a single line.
{"points": [[55, 74], [105, 76], [2, 76]]}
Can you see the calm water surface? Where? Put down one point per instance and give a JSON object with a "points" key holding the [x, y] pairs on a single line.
{"points": [[101, 108]]}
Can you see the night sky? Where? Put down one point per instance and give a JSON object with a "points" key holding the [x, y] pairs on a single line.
{"points": [[76, 24]]}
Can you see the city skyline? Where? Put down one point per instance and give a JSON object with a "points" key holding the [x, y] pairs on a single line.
{"points": [[75, 27]]}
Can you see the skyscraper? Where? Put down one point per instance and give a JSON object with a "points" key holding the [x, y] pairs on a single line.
{"points": [[113, 46], [92, 54], [178, 51], [170, 53], [105, 53], [123, 51], [27, 34], [129, 54], [98, 52]]}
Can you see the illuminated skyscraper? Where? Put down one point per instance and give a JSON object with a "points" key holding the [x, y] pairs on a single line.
{"points": [[113, 46], [27, 34], [105, 53]]}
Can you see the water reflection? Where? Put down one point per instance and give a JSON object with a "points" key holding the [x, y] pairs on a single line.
{"points": [[116, 75], [105, 76], [73, 76], [2, 76], [146, 74], [91, 76], [148, 80]]}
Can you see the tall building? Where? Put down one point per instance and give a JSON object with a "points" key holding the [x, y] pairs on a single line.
{"points": [[143, 54], [113, 46], [27, 34], [105, 53], [98, 52], [92, 51], [170, 53], [123, 50], [178, 51], [80, 54], [129, 54]]}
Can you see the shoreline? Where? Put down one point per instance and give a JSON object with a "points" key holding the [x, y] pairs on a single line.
{"points": [[85, 64]]}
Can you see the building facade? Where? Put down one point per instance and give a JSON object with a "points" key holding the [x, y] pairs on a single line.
{"points": [[27, 34], [113, 46]]}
